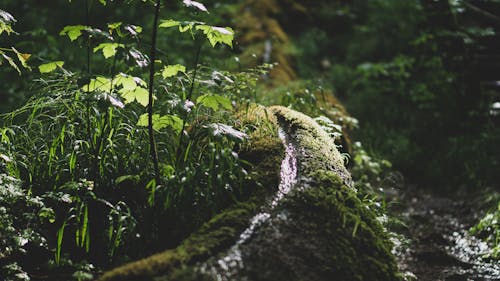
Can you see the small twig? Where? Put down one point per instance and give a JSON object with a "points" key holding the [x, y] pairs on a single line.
{"points": [[482, 12]]}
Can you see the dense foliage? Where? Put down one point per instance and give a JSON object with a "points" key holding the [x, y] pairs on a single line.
{"points": [[118, 129], [421, 72]]}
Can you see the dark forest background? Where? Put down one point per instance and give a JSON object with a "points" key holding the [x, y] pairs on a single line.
{"points": [[421, 76]]}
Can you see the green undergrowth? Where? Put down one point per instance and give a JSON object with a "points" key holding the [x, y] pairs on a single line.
{"points": [[488, 228], [337, 233], [219, 233], [264, 150]]}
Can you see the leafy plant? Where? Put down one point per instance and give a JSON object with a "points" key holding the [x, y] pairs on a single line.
{"points": [[22, 217], [90, 159], [6, 21], [489, 229]]}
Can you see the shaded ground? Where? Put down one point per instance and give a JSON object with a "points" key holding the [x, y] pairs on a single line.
{"points": [[441, 247]]}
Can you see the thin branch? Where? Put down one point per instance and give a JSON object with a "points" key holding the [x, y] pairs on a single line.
{"points": [[152, 143], [482, 12]]}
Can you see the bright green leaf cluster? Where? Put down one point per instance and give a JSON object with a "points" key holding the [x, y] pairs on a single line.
{"points": [[172, 70], [214, 102], [160, 122], [100, 83], [6, 21], [51, 66], [131, 88], [214, 34], [139, 94], [108, 49], [183, 26], [73, 31]]}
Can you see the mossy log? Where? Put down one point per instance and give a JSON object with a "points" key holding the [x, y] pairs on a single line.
{"points": [[319, 230]]}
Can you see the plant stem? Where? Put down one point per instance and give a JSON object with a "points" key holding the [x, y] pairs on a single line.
{"points": [[107, 122], [152, 143], [190, 94], [89, 131]]}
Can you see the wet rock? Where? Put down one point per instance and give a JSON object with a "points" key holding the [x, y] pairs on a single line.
{"points": [[442, 247]]}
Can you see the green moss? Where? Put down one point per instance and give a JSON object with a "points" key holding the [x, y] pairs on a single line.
{"points": [[318, 150], [319, 231], [354, 246]]}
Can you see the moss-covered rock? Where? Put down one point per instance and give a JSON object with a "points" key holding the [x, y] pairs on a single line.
{"points": [[318, 230], [213, 237], [265, 152], [317, 151]]}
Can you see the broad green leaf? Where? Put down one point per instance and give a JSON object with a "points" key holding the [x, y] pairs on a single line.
{"points": [[139, 94], [172, 70], [127, 82], [103, 2], [11, 62], [215, 34], [214, 102], [160, 122], [22, 58], [195, 4], [100, 83], [49, 67], [169, 23], [73, 31], [108, 49]]}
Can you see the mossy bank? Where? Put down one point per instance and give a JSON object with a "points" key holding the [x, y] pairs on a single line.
{"points": [[318, 230]]}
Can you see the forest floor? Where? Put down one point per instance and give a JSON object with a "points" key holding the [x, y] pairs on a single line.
{"points": [[440, 246]]}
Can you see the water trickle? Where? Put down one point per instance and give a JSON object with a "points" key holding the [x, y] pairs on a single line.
{"points": [[227, 267]]}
